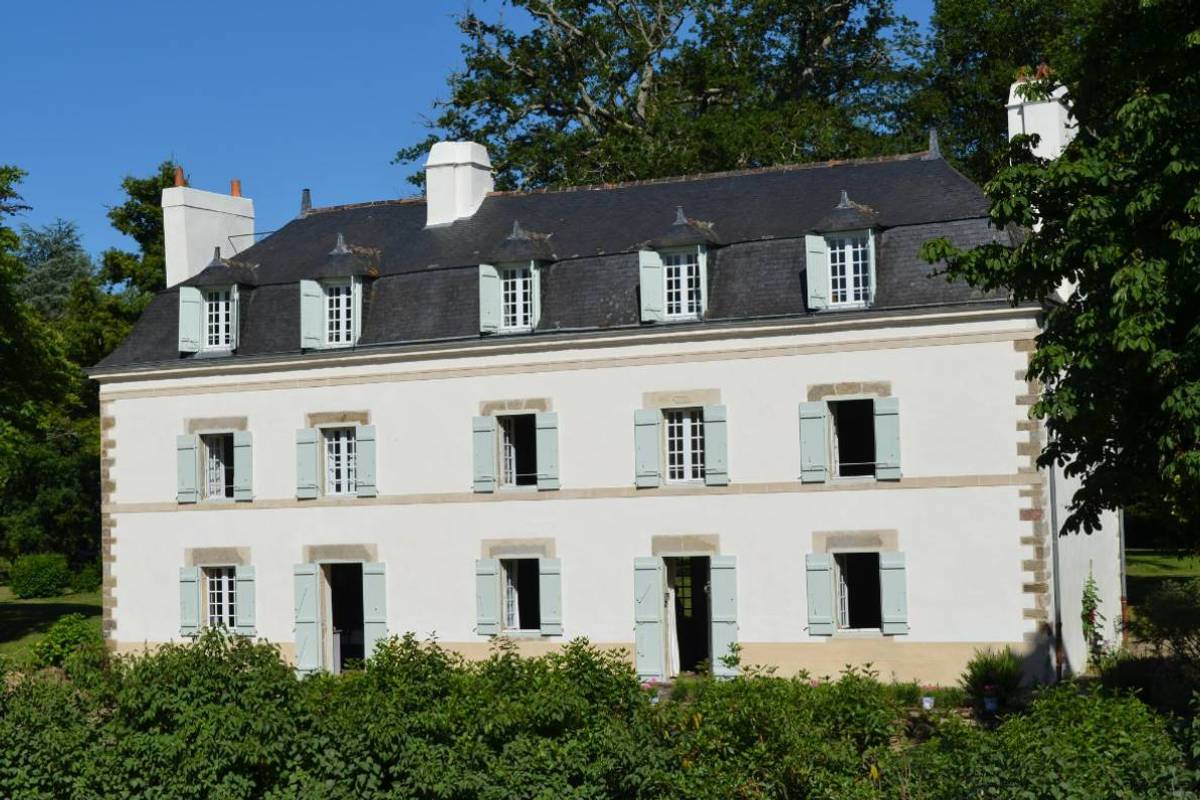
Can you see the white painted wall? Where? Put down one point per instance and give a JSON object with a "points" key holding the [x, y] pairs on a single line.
{"points": [[195, 222]]}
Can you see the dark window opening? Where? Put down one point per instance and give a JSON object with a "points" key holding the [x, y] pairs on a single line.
{"points": [[522, 609], [688, 579], [346, 613], [518, 450], [218, 466], [853, 437], [858, 595]]}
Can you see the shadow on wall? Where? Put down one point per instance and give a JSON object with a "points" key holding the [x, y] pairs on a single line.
{"points": [[1038, 663]]}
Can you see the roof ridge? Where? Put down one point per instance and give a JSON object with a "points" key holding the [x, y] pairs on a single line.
{"points": [[695, 176]]}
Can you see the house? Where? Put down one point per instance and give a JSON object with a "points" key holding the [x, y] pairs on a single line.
{"points": [[671, 416]]}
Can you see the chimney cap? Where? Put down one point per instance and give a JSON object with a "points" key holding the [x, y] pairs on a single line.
{"points": [[235, 187], [180, 178], [305, 202], [448, 154]]}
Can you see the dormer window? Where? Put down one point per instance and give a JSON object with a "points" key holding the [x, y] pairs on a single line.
{"points": [[673, 283], [339, 313], [330, 313], [208, 319], [509, 297], [840, 270], [681, 284], [220, 306]]}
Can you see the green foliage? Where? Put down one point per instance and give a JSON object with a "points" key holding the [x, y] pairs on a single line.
{"points": [[993, 673], [582, 92], [54, 261], [140, 218], [40, 575], [1168, 620], [1159, 682], [1118, 214], [86, 579], [1092, 620], [66, 637]]}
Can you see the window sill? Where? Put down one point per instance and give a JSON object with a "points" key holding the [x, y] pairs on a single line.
{"points": [[533, 487], [854, 479], [511, 331], [216, 352], [859, 633], [216, 501], [521, 634], [682, 318], [846, 307]]}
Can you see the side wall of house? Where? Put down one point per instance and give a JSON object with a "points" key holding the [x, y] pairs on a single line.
{"points": [[966, 512]]}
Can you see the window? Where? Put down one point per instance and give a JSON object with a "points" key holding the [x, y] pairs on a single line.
{"points": [[217, 454], [681, 273], [339, 314], [518, 450], [856, 583], [218, 319], [340, 461], [685, 444], [516, 299], [220, 586], [853, 434], [521, 610], [849, 270]]}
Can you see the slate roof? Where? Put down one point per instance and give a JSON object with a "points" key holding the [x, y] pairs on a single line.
{"points": [[422, 282]]}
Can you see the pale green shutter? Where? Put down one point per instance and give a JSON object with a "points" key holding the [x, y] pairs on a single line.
{"points": [[819, 568], [487, 597], [546, 424], [306, 580], [647, 422], [887, 438], [716, 446], [893, 593], [483, 445], [243, 466], [307, 461], [648, 618], [189, 601], [374, 607], [312, 318], [489, 299], [702, 263], [816, 271], [651, 288], [550, 595], [245, 610], [356, 314], [814, 441], [535, 284], [191, 319], [723, 599], [187, 464], [364, 461], [871, 267], [233, 317]]}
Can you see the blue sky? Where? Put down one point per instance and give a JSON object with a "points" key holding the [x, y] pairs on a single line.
{"points": [[283, 95]]}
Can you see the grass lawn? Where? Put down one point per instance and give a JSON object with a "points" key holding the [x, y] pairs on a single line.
{"points": [[23, 622], [1145, 569]]}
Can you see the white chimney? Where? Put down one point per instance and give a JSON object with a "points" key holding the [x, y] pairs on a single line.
{"points": [[196, 221], [1049, 118], [458, 175]]}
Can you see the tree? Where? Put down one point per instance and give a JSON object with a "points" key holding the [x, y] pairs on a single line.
{"points": [[140, 217], [1118, 214], [54, 261], [630, 89]]}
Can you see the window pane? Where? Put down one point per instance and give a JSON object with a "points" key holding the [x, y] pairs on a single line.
{"points": [[221, 585], [218, 319], [340, 466], [516, 298], [339, 316], [685, 444], [849, 270], [681, 273], [217, 454]]}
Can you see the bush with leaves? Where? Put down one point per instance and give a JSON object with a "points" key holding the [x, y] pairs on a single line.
{"points": [[1168, 620], [70, 634], [993, 673], [40, 575]]}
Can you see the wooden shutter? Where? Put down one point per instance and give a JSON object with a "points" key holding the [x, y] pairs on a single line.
{"points": [[245, 611], [546, 424], [191, 319], [648, 617], [550, 595], [647, 444], [871, 267], [535, 288], [487, 597], [307, 463], [702, 265], [814, 441], [887, 438], [893, 593], [306, 579], [187, 467], [364, 461], [816, 272], [189, 601], [819, 569], [312, 317], [723, 599], [489, 299], [356, 306], [483, 445], [651, 288], [243, 466], [374, 606], [716, 447], [233, 317]]}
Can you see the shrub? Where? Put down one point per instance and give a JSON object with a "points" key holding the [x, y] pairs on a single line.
{"points": [[1162, 683], [995, 673], [40, 575], [86, 579], [68, 635], [1168, 620]]}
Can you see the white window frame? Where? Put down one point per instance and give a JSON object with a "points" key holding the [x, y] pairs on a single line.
{"points": [[685, 425], [683, 284], [216, 466], [339, 461], [506, 452], [343, 297], [851, 259], [220, 319], [517, 297], [510, 594], [220, 597], [841, 593]]}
